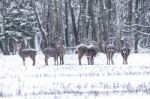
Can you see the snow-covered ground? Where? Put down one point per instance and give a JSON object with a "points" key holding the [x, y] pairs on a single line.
{"points": [[73, 81]]}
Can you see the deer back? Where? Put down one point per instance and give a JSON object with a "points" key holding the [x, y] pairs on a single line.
{"points": [[25, 52], [28, 52], [81, 48]]}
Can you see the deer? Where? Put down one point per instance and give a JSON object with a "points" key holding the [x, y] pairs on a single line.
{"points": [[60, 49], [50, 52], [26, 52], [89, 51], [125, 51], [110, 50], [57, 50]]}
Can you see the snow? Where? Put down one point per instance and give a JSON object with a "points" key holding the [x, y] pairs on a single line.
{"points": [[73, 81]]}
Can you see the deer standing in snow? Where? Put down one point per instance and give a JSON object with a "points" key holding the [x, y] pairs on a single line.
{"points": [[89, 51], [26, 52], [110, 50], [125, 51], [56, 51], [50, 52], [60, 49]]}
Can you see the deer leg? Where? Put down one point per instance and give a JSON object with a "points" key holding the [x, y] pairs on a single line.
{"points": [[33, 59], [123, 60], [79, 58], [23, 61], [111, 57], [92, 60], [56, 60], [107, 58], [46, 60], [88, 59], [80, 55], [112, 61], [62, 60], [126, 60]]}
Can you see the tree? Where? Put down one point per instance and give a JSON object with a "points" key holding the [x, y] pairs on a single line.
{"points": [[44, 36], [66, 23], [17, 23], [75, 31], [76, 21]]}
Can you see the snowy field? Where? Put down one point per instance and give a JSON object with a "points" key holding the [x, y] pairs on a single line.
{"points": [[71, 81]]}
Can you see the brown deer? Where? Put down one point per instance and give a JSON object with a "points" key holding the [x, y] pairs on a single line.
{"points": [[125, 50], [24, 53], [89, 51], [110, 50], [57, 50], [58, 44], [51, 52]]}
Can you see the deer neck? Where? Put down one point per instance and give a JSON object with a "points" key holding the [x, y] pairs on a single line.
{"points": [[19, 50]]}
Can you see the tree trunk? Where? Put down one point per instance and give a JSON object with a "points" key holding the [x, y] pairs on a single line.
{"points": [[129, 18], [92, 17], [60, 19], [118, 17], [104, 30], [82, 21], [66, 24], [5, 44], [56, 26], [48, 24], [5, 47], [44, 34], [74, 24], [136, 36]]}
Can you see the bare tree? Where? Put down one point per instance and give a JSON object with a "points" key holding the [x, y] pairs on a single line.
{"points": [[43, 32], [66, 23], [76, 34]]}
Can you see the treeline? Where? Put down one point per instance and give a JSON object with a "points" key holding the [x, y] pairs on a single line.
{"points": [[38, 22]]}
